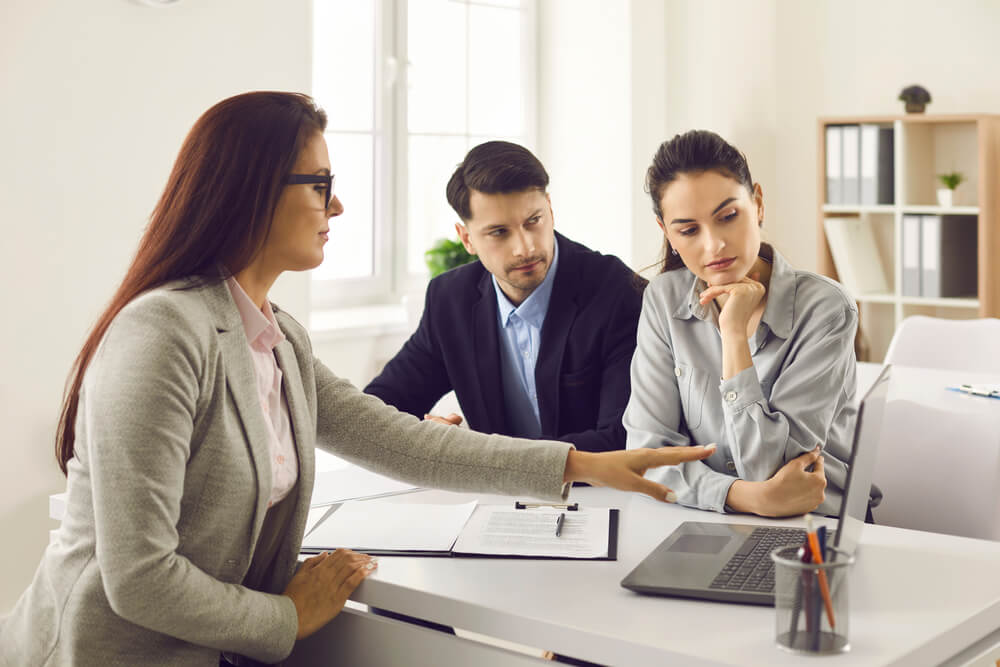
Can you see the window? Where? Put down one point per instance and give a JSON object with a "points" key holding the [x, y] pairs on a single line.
{"points": [[409, 87]]}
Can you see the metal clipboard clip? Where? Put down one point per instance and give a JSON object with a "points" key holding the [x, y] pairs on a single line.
{"points": [[569, 508]]}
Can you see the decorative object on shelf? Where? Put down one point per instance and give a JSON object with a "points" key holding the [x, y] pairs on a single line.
{"points": [[950, 181], [916, 98], [446, 254]]}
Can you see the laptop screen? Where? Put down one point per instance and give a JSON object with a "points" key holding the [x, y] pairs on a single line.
{"points": [[862, 464]]}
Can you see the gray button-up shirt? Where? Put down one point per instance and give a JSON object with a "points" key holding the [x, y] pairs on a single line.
{"points": [[798, 393]]}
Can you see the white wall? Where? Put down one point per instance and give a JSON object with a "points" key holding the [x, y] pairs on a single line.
{"points": [[97, 97], [849, 57], [721, 76], [649, 126], [585, 119]]}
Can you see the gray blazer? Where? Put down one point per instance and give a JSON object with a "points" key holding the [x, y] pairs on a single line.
{"points": [[169, 488]]}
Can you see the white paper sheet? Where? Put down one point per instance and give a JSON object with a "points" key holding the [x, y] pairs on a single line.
{"points": [[502, 531], [316, 514], [353, 483], [391, 526]]}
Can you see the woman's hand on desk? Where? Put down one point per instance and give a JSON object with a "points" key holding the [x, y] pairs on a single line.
{"points": [[322, 585], [625, 469], [793, 490]]}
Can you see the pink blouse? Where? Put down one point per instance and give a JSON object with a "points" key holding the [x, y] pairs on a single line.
{"points": [[264, 335]]}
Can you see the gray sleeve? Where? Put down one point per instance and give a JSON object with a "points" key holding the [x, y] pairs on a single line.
{"points": [[653, 415], [766, 434], [364, 430], [138, 407]]}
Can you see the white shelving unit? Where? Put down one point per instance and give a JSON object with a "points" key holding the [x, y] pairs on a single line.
{"points": [[924, 146]]}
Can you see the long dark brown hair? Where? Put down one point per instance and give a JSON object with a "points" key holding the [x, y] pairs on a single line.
{"points": [[694, 151], [215, 212]]}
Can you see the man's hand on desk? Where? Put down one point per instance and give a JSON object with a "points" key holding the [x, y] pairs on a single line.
{"points": [[322, 585], [794, 489], [450, 420], [625, 469]]}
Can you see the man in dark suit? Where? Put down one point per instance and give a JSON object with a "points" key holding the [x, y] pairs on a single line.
{"points": [[535, 338]]}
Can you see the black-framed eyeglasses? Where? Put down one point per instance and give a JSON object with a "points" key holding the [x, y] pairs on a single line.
{"points": [[318, 179]]}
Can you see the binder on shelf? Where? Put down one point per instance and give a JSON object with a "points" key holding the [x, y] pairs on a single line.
{"points": [[851, 164], [948, 256], [855, 255], [834, 185], [877, 173], [517, 530], [911, 272], [930, 255]]}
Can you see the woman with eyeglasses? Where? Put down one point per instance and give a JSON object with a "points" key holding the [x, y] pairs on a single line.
{"points": [[188, 427]]}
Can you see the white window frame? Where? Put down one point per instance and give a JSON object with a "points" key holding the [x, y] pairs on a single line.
{"points": [[392, 280]]}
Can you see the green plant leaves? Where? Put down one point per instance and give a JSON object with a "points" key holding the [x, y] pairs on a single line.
{"points": [[446, 254], [951, 180]]}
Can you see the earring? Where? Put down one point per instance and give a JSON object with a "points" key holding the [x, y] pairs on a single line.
{"points": [[673, 252]]}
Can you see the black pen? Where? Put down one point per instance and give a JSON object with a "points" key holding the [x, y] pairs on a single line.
{"points": [[559, 523]]}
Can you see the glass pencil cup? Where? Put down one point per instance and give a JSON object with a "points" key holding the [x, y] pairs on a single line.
{"points": [[811, 601]]}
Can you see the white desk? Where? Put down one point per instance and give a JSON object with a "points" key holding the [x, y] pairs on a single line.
{"points": [[916, 599], [939, 454]]}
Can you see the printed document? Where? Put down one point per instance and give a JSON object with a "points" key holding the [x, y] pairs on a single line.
{"points": [[501, 530]]}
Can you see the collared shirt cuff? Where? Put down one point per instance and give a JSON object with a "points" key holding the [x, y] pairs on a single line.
{"points": [[726, 509], [712, 493], [741, 390]]}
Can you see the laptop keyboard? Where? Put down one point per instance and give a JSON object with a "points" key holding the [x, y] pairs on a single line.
{"points": [[751, 568]]}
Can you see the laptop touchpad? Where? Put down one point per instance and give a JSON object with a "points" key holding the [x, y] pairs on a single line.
{"points": [[700, 544]]}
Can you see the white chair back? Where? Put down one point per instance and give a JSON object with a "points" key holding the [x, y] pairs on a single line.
{"points": [[932, 342]]}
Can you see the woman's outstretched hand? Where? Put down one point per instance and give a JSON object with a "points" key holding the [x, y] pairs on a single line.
{"points": [[625, 469]]}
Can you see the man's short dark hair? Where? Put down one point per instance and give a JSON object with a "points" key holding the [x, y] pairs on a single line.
{"points": [[495, 167]]}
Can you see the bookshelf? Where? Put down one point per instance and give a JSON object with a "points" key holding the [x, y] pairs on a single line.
{"points": [[923, 145]]}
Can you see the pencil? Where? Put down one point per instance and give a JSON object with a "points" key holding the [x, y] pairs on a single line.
{"points": [[824, 587]]}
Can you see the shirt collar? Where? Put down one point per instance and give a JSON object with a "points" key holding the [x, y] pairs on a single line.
{"points": [[779, 313], [533, 309], [260, 326]]}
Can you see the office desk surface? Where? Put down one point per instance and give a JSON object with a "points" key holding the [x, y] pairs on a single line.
{"points": [[916, 598]]}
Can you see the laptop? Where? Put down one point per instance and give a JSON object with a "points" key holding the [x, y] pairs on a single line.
{"points": [[730, 562]]}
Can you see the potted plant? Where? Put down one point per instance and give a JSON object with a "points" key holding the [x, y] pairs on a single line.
{"points": [[950, 181], [446, 254], [916, 98]]}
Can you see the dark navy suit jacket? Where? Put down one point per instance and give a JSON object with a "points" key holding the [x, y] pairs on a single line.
{"points": [[582, 372]]}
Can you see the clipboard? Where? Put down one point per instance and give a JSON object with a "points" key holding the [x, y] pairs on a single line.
{"points": [[487, 531]]}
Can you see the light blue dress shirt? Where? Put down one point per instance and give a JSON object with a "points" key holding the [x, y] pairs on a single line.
{"points": [[520, 337]]}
